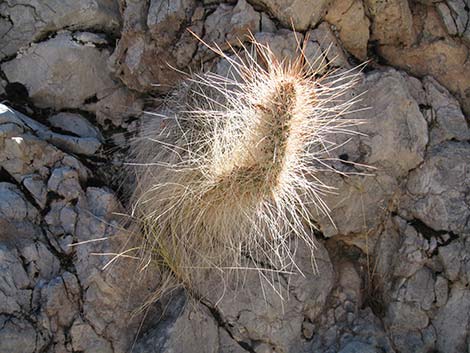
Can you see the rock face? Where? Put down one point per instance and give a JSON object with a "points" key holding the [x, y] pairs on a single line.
{"points": [[392, 267]]}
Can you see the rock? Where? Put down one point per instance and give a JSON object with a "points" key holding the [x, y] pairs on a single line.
{"points": [[87, 146], [455, 15], [404, 317], [452, 321], [76, 124], [60, 301], [394, 141], [84, 338], [411, 256], [447, 120], [330, 46], [433, 53], [194, 329], [358, 347], [102, 202], [437, 189], [283, 43], [450, 257], [300, 14], [17, 333], [67, 74], [267, 25], [15, 290], [64, 181], [13, 205], [420, 289], [352, 24], [255, 311], [34, 183], [23, 23], [62, 218], [230, 25], [441, 290], [391, 22], [90, 39], [144, 56]]}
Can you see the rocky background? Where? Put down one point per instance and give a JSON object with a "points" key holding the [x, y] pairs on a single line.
{"points": [[75, 78]]}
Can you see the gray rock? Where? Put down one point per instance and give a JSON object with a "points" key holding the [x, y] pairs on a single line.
{"points": [[447, 120], [358, 347], [455, 15], [102, 202], [283, 43], [438, 188], [441, 290], [452, 321], [23, 23], [405, 317], [60, 301], [194, 330], [64, 181], [90, 39], [393, 141], [17, 333], [300, 14], [450, 257], [76, 124], [229, 25], [15, 292], [142, 55], [34, 183], [419, 289], [87, 146], [13, 205], [61, 73], [254, 309], [84, 338]]}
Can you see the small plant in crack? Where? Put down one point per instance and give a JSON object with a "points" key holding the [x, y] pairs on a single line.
{"points": [[227, 171]]}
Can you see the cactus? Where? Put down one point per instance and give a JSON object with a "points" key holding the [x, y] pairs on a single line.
{"points": [[228, 173]]}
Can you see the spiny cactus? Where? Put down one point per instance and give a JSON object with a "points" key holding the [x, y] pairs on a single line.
{"points": [[228, 171]]}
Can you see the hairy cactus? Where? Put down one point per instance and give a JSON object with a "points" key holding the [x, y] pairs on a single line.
{"points": [[227, 173]]}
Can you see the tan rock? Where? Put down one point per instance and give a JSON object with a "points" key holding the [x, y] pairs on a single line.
{"points": [[348, 16], [436, 54], [392, 21]]}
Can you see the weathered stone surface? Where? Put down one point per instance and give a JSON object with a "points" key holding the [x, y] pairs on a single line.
{"points": [[352, 24], [24, 22], [60, 72], [147, 50], [392, 22], [298, 13], [255, 311], [434, 53], [455, 15], [446, 118], [437, 189], [330, 46], [63, 73], [452, 322], [230, 24], [76, 124], [193, 330], [393, 142]]}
